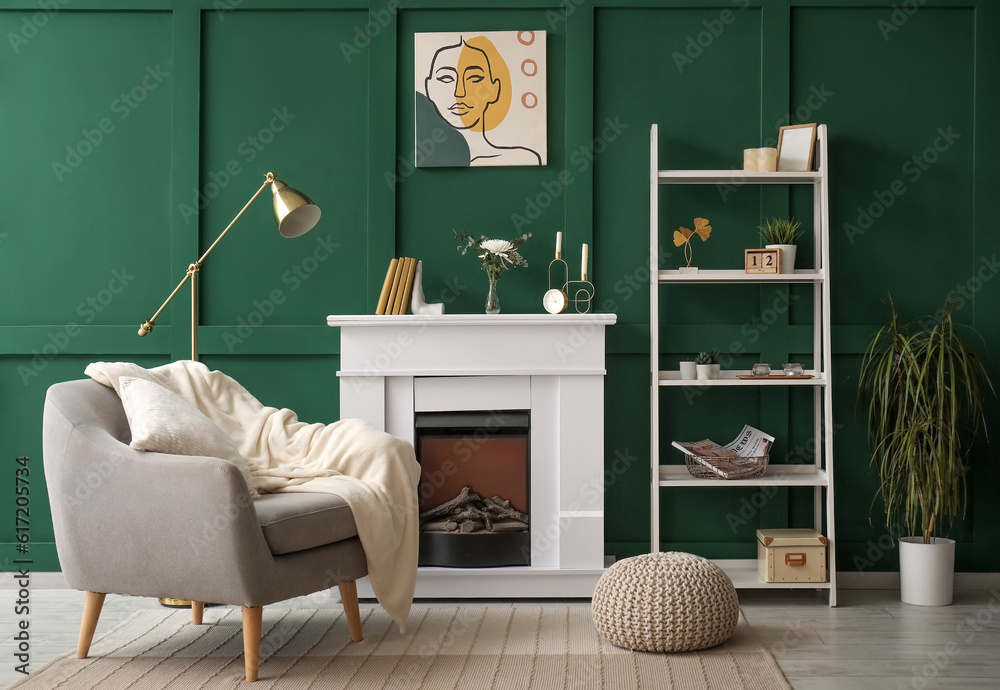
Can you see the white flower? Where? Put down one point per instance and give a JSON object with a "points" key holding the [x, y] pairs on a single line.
{"points": [[497, 247]]}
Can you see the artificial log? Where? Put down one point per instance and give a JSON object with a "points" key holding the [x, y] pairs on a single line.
{"points": [[469, 513], [501, 508], [464, 498]]}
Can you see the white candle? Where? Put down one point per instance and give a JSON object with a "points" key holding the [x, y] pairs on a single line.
{"points": [[767, 160], [750, 160], [583, 263], [559, 244]]}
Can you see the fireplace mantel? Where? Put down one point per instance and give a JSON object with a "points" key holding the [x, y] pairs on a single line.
{"points": [[552, 365]]}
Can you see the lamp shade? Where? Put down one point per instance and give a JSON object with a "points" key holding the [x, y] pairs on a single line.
{"points": [[294, 212]]}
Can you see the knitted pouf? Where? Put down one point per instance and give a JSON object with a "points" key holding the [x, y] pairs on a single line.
{"points": [[665, 602]]}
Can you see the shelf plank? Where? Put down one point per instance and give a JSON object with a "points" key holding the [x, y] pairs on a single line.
{"points": [[738, 276], [731, 378], [776, 475], [744, 575], [736, 177]]}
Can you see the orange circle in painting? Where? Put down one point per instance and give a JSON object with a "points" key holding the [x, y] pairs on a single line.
{"points": [[526, 41], [529, 100], [492, 92], [529, 64]]}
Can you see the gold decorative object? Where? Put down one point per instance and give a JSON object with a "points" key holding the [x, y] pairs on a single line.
{"points": [[683, 237], [579, 293], [555, 299], [294, 213]]}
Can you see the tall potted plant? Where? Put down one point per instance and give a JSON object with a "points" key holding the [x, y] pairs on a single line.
{"points": [[923, 384], [782, 233]]}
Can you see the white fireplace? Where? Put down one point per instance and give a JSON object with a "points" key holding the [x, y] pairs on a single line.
{"points": [[393, 367]]}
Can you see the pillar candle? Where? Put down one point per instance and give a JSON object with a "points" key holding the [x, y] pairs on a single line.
{"points": [[767, 160], [583, 264], [750, 160], [559, 244]]}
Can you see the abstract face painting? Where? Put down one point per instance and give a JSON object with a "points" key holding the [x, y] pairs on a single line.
{"points": [[480, 99]]}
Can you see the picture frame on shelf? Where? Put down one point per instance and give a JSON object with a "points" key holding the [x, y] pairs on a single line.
{"points": [[795, 147]]}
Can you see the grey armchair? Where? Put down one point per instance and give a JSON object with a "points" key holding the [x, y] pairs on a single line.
{"points": [[150, 524]]}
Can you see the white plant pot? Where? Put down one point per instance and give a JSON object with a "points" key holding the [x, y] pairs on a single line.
{"points": [[926, 571], [708, 371], [689, 371], [787, 256]]}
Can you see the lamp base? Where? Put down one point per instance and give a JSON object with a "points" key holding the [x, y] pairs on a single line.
{"points": [[174, 603]]}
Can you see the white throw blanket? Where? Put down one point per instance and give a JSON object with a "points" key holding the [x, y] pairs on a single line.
{"points": [[374, 472]]}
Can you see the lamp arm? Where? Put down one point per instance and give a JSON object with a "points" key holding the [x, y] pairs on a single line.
{"points": [[193, 269], [269, 180], [147, 326]]}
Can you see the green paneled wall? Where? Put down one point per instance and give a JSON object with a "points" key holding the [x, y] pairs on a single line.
{"points": [[277, 94], [135, 131]]}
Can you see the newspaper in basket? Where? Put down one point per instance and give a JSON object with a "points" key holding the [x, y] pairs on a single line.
{"points": [[744, 458]]}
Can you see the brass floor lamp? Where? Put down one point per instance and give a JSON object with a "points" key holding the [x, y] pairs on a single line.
{"points": [[295, 214]]}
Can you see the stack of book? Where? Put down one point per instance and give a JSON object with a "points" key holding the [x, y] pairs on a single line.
{"points": [[398, 286]]}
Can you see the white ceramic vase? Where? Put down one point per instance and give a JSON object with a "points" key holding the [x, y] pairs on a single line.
{"points": [[926, 571], [708, 371], [787, 256], [689, 371]]}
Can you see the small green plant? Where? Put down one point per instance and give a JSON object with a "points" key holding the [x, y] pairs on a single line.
{"points": [[780, 231], [707, 357]]}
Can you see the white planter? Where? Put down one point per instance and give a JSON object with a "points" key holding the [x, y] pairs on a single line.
{"points": [[787, 256], [708, 371], [689, 371], [926, 571]]}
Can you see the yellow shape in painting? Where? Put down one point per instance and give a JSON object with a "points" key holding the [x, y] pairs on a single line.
{"points": [[484, 85]]}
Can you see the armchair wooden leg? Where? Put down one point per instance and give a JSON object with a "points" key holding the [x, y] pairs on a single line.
{"points": [[252, 618], [197, 612], [92, 606], [349, 598]]}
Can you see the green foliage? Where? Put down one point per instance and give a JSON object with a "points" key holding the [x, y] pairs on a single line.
{"points": [[922, 382], [496, 256], [707, 357], [780, 231]]}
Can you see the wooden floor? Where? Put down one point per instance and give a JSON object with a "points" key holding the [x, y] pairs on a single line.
{"points": [[869, 641]]}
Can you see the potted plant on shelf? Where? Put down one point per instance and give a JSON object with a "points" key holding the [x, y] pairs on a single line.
{"points": [[923, 387], [782, 233], [707, 365]]}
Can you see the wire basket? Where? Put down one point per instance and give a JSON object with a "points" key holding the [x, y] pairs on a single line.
{"points": [[734, 467]]}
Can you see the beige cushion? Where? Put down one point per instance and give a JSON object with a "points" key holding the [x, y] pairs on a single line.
{"points": [[163, 422], [665, 602], [301, 521]]}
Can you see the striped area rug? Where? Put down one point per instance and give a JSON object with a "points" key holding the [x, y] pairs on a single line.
{"points": [[462, 647]]}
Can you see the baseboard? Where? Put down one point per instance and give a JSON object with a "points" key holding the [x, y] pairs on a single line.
{"points": [[890, 580], [50, 580]]}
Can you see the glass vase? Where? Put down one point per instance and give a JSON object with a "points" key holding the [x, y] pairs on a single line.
{"points": [[492, 299]]}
